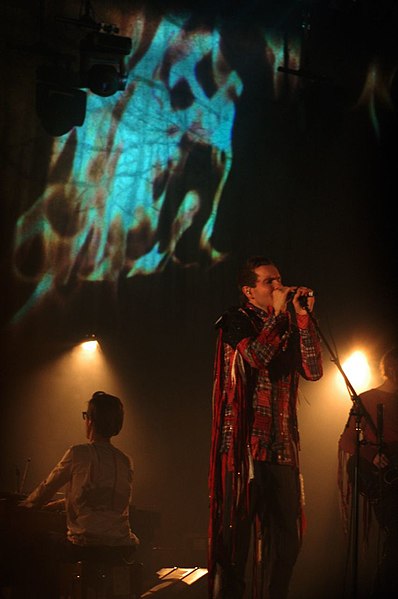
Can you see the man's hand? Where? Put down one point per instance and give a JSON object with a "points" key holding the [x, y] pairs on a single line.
{"points": [[25, 503], [57, 505], [380, 460], [281, 296], [307, 294]]}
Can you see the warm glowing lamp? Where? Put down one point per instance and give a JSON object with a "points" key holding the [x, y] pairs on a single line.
{"points": [[90, 344], [357, 370]]}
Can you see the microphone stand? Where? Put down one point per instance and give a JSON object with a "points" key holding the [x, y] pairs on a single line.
{"points": [[25, 473], [380, 433], [359, 412]]}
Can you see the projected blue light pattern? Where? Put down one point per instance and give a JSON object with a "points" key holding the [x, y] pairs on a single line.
{"points": [[376, 94], [139, 184], [147, 167]]}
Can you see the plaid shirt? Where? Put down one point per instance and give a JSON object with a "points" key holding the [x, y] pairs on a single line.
{"points": [[267, 354]]}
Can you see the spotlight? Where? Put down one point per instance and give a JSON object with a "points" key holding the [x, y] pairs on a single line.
{"points": [[60, 97], [358, 372], [102, 67], [89, 343], [60, 104]]}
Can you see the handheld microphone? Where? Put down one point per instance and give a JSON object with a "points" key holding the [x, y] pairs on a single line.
{"points": [[25, 473], [303, 299]]}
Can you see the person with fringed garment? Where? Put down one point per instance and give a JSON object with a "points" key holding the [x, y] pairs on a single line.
{"points": [[255, 486]]}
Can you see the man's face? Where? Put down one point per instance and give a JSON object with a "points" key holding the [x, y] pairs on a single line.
{"points": [[268, 279]]}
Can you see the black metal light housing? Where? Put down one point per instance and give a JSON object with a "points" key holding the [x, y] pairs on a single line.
{"points": [[60, 104], [102, 67], [60, 97]]}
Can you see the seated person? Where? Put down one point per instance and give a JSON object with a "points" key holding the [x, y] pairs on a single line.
{"points": [[98, 486]]}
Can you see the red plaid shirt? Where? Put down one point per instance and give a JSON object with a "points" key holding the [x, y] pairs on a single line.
{"points": [[267, 353]]}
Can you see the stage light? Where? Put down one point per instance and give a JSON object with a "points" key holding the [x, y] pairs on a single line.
{"points": [[60, 97], [103, 80], [102, 67], [60, 104], [90, 344], [357, 370]]}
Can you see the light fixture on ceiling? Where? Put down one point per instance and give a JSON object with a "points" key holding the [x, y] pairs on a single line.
{"points": [[60, 97], [102, 68], [90, 343]]}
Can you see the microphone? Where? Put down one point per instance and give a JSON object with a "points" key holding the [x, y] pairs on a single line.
{"points": [[25, 473], [303, 299]]}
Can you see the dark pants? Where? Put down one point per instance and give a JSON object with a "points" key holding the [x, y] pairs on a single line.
{"points": [[386, 511], [275, 507], [30, 564]]}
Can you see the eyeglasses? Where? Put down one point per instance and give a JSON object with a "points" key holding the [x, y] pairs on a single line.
{"points": [[85, 415]]}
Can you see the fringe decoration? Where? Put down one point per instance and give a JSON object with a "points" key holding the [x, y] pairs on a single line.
{"points": [[345, 492], [229, 473]]}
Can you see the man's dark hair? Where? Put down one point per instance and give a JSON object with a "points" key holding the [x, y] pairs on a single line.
{"points": [[246, 274], [107, 413], [389, 362]]}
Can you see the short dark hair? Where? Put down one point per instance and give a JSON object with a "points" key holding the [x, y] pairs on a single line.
{"points": [[389, 361], [246, 274], [107, 413]]}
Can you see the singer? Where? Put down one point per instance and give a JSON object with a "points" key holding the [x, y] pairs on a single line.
{"points": [[378, 467], [263, 347]]}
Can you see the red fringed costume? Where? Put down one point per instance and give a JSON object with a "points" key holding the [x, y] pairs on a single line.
{"points": [[259, 357]]}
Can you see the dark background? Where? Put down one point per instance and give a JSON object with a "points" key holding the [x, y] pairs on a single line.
{"points": [[313, 185]]}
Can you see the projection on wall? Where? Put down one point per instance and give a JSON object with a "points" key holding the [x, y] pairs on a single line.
{"points": [[139, 184]]}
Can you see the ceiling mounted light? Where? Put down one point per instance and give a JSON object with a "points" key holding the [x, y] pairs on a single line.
{"points": [[60, 97], [90, 343], [102, 68], [60, 104]]}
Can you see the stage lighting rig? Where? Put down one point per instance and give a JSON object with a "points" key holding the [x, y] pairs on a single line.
{"points": [[102, 68], [61, 98], [60, 103], [102, 53]]}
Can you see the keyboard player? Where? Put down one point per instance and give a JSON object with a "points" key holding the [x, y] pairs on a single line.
{"points": [[97, 479]]}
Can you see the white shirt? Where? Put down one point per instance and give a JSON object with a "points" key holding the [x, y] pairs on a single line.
{"points": [[98, 479]]}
